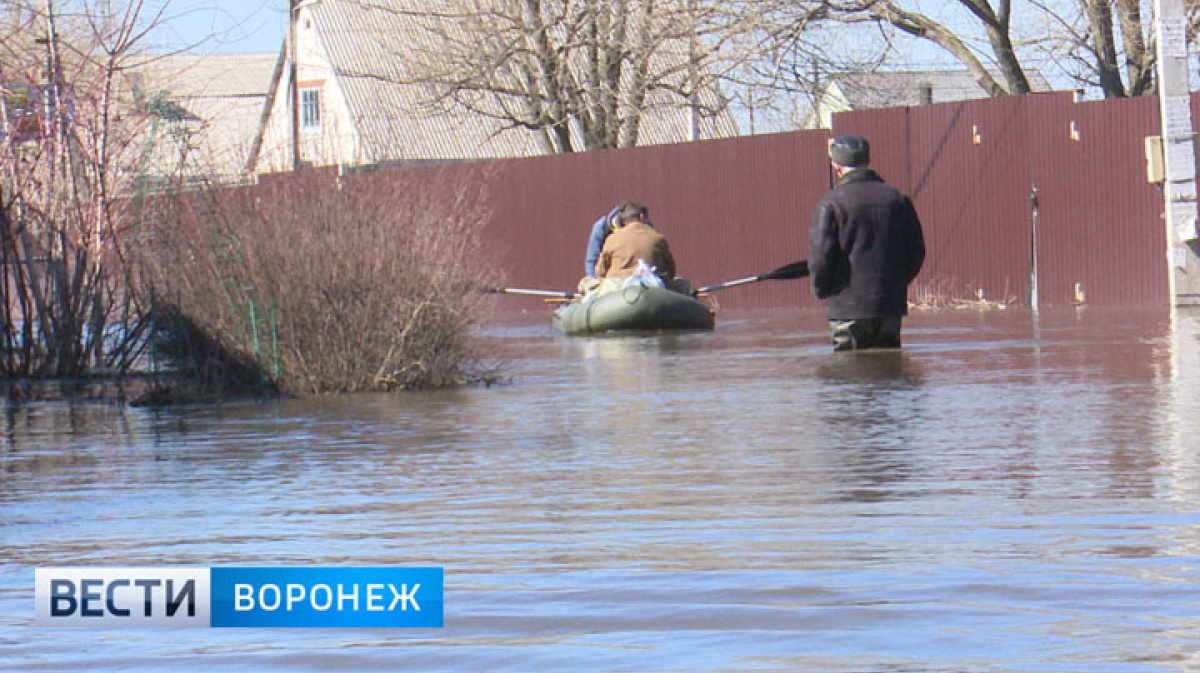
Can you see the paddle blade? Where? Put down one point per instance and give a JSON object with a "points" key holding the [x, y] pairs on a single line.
{"points": [[788, 272]]}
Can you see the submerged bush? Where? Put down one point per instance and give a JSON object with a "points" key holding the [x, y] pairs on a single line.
{"points": [[325, 283]]}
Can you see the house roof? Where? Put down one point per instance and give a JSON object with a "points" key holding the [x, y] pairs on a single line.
{"points": [[219, 96], [375, 50], [209, 75], [907, 88], [394, 120]]}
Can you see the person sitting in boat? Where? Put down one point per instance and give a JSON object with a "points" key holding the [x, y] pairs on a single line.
{"points": [[635, 241], [601, 228]]}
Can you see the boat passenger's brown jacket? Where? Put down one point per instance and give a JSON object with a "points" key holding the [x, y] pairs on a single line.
{"points": [[625, 246]]}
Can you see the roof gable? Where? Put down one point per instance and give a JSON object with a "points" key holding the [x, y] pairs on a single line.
{"points": [[363, 44], [374, 50]]}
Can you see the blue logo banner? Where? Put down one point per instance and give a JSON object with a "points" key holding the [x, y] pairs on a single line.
{"points": [[323, 597]]}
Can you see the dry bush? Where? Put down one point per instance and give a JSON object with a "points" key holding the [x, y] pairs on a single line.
{"points": [[939, 294], [330, 284], [69, 140]]}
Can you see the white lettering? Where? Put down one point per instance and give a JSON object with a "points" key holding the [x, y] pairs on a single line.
{"points": [[321, 607], [243, 597], [262, 597], [404, 597], [295, 594], [341, 597], [373, 596]]}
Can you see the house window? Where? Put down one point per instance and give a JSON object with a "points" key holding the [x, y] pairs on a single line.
{"points": [[310, 109]]}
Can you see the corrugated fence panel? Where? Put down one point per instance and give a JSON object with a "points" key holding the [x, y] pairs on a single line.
{"points": [[887, 130], [971, 186], [740, 207], [1099, 227], [729, 208], [750, 205], [963, 165]]}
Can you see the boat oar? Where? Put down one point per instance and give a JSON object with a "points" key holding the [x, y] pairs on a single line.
{"points": [[785, 272], [557, 294]]}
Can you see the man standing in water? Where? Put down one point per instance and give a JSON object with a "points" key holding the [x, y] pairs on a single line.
{"points": [[865, 248]]}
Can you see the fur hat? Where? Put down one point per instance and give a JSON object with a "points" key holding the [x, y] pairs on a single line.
{"points": [[850, 151]]}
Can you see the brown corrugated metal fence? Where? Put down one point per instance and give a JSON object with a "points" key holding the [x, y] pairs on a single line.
{"points": [[1100, 222], [729, 208], [740, 207]]}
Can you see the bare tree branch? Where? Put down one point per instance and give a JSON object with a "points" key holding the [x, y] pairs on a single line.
{"points": [[581, 75]]}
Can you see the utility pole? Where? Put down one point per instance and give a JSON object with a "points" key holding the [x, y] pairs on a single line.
{"points": [[1179, 154], [816, 95], [294, 84]]}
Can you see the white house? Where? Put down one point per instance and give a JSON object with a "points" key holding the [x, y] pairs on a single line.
{"points": [[882, 89], [338, 101], [206, 111]]}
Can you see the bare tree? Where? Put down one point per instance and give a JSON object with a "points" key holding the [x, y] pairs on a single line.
{"points": [[1107, 45], [955, 33], [63, 145], [1104, 44], [996, 23], [581, 75], [781, 51]]}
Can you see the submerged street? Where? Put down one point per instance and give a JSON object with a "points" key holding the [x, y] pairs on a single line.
{"points": [[1012, 491]]}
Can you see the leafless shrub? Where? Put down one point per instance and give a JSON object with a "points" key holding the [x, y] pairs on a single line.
{"points": [[67, 135], [330, 284], [939, 294]]}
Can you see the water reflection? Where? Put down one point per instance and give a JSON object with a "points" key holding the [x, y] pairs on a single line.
{"points": [[872, 409]]}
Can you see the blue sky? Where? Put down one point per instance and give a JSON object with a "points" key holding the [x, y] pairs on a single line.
{"points": [[260, 25], [224, 25]]}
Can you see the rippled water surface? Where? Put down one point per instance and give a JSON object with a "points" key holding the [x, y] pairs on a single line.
{"points": [[1009, 493]]}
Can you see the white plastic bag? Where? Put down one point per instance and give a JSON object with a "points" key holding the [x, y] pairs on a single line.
{"points": [[644, 275]]}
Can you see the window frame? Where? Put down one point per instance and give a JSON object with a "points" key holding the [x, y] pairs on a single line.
{"points": [[311, 106]]}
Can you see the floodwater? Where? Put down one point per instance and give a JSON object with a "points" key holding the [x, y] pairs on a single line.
{"points": [[1011, 492]]}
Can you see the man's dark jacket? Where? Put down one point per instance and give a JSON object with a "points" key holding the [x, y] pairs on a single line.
{"points": [[864, 248]]}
